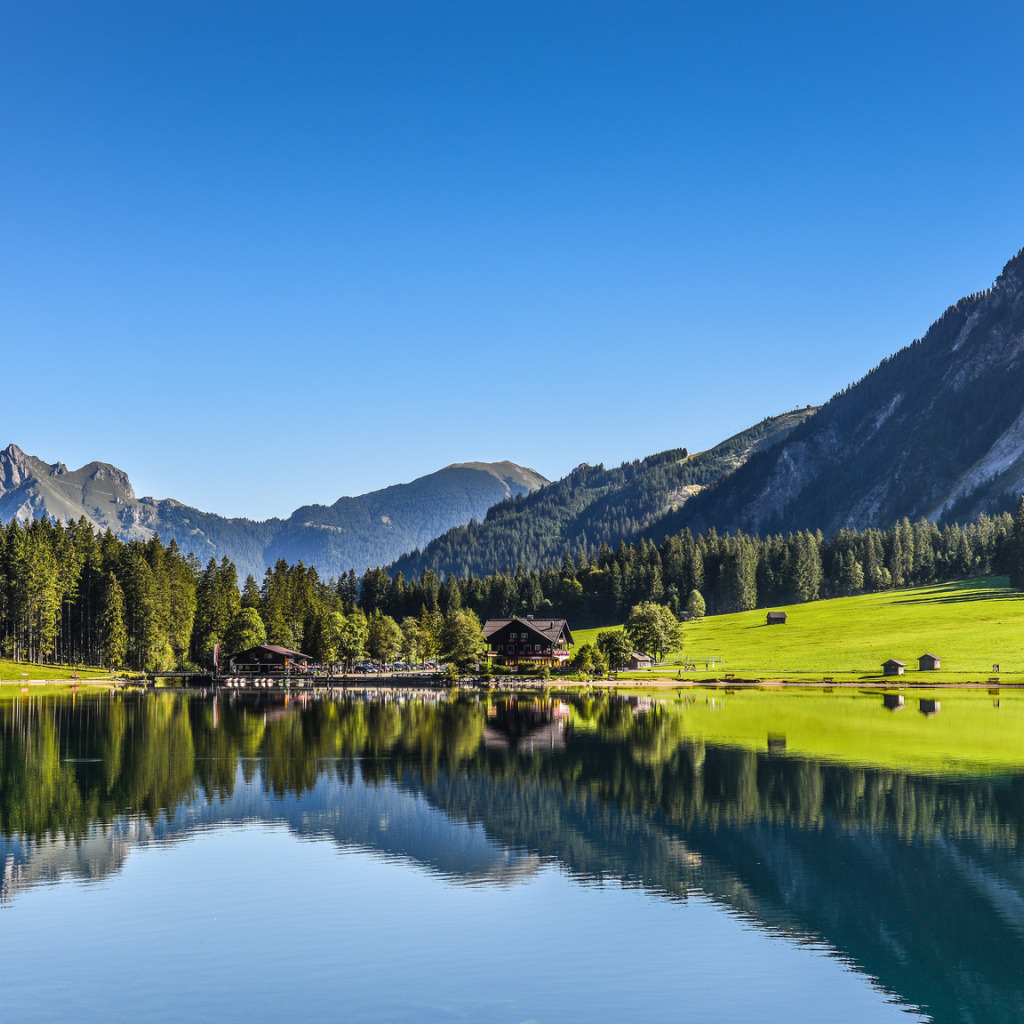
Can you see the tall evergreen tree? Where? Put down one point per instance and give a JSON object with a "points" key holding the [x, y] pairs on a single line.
{"points": [[1015, 565], [113, 635]]}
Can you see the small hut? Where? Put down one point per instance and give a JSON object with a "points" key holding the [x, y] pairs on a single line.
{"points": [[776, 619], [893, 667], [929, 662], [638, 660]]}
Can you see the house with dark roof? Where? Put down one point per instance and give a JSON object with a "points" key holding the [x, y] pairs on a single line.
{"points": [[928, 662], [893, 667], [639, 660], [524, 642], [776, 619], [269, 658]]}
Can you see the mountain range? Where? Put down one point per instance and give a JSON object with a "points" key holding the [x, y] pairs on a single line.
{"points": [[935, 431], [354, 532]]}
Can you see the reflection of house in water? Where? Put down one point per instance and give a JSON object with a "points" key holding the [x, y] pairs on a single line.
{"points": [[640, 704], [527, 725], [273, 704]]}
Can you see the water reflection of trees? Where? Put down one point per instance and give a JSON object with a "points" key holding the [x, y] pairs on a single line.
{"points": [[873, 860], [67, 764]]}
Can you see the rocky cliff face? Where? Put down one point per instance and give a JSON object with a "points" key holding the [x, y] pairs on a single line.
{"points": [[937, 430], [372, 529]]}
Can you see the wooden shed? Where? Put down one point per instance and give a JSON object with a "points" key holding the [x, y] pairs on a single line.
{"points": [[929, 662], [638, 660], [893, 667], [776, 619]]}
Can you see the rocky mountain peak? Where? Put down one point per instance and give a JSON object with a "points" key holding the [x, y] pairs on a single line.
{"points": [[1012, 276], [15, 468]]}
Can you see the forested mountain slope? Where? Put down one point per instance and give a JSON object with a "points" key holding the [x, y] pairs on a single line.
{"points": [[937, 430], [374, 528], [589, 507], [358, 532]]}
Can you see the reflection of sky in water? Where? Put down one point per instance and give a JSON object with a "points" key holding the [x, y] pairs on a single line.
{"points": [[367, 903], [246, 923]]}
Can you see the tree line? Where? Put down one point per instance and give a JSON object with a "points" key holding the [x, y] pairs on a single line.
{"points": [[712, 573], [71, 596]]}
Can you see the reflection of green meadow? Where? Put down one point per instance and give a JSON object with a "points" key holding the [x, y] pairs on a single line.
{"points": [[969, 734], [970, 625]]}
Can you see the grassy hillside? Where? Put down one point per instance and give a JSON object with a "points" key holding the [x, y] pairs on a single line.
{"points": [[970, 625]]}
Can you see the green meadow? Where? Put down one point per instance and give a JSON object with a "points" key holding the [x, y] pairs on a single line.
{"points": [[971, 625], [25, 673]]}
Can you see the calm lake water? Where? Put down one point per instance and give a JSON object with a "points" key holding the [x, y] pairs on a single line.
{"points": [[169, 859]]}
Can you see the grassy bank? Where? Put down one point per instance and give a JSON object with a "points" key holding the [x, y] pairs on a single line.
{"points": [[20, 671], [971, 625], [51, 679]]}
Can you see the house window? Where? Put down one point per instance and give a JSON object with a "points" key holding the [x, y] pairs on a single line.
{"points": [[536, 647], [498, 647]]}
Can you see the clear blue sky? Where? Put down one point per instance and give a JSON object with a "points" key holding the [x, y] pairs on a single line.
{"points": [[340, 245]]}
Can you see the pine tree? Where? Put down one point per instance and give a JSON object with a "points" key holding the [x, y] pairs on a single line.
{"points": [[113, 635], [1016, 559]]}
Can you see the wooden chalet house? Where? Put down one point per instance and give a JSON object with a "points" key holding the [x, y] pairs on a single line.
{"points": [[269, 658], [517, 643]]}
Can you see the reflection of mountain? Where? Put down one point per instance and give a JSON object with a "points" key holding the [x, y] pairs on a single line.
{"points": [[385, 818], [940, 923], [101, 854], [919, 881]]}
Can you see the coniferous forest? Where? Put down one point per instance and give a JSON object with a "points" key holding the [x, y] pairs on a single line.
{"points": [[71, 596]]}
